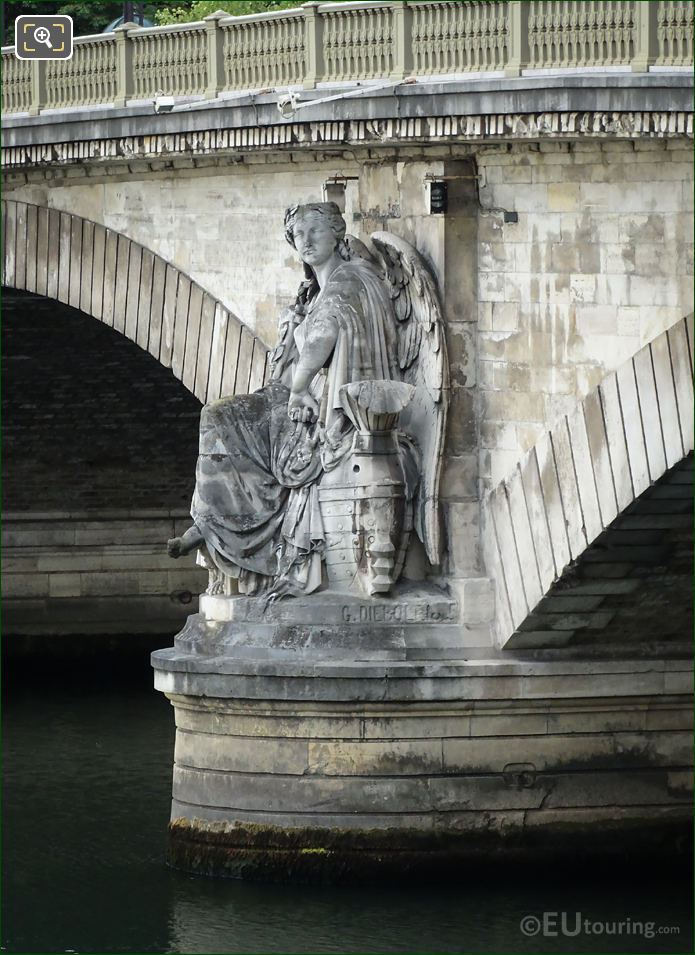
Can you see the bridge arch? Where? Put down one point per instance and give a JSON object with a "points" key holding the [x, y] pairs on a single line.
{"points": [[585, 471], [135, 291]]}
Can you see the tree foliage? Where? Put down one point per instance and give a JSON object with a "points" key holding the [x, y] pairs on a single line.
{"points": [[89, 16], [186, 12]]}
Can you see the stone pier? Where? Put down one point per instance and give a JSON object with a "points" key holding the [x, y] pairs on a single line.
{"points": [[289, 764], [523, 693]]}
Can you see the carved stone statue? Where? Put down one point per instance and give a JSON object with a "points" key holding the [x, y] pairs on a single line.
{"points": [[317, 480]]}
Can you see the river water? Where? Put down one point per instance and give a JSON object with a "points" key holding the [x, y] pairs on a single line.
{"points": [[87, 767]]}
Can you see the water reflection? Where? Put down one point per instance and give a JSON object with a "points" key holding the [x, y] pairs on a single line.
{"points": [[87, 787], [465, 918]]}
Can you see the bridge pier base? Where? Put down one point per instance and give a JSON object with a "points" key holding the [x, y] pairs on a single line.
{"points": [[288, 765]]}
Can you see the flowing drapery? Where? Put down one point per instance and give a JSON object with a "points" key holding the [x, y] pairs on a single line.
{"points": [[255, 499]]}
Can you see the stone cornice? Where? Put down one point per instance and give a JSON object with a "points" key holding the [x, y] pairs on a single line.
{"points": [[472, 95], [278, 140]]}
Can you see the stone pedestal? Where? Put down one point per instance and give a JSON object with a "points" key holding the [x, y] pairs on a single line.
{"points": [[414, 623], [324, 739]]}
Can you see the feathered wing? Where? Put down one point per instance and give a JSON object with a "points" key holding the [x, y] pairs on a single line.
{"points": [[423, 362], [358, 250]]}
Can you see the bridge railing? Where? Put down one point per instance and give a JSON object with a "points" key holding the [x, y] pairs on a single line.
{"points": [[334, 42]]}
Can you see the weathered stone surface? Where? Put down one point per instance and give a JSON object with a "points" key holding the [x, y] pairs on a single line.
{"points": [[598, 264], [572, 750], [329, 467], [99, 585], [595, 462], [91, 478], [415, 622], [606, 316], [226, 677]]}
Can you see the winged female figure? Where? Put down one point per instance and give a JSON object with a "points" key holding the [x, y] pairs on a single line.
{"points": [[317, 478]]}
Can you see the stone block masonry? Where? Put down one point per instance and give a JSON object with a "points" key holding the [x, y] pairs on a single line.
{"points": [[94, 573], [598, 265], [220, 229], [100, 444], [90, 421], [539, 311], [583, 473], [279, 770], [286, 763]]}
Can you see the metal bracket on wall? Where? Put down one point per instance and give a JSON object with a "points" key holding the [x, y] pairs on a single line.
{"points": [[334, 189]]}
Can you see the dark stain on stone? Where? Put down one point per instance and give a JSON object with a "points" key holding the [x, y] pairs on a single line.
{"points": [[334, 855]]}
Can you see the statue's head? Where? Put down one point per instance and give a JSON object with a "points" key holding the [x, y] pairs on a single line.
{"points": [[316, 230]]}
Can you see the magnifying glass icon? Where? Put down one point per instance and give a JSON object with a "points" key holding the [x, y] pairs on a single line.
{"points": [[43, 35]]}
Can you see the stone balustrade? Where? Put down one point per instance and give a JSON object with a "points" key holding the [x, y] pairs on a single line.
{"points": [[338, 42]]}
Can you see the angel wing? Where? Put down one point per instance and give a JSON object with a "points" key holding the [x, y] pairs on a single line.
{"points": [[358, 250], [423, 362]]}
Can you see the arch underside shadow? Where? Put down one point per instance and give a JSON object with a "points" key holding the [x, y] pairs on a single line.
{"points": [[631, 589], [630, 440], [133, 290]]}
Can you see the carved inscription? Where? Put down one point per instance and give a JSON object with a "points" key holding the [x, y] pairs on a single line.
{"points": [[400, 613]]}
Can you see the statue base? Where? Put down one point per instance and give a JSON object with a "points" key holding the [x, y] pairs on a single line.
{"points": [[413, 623], [323, 739]]}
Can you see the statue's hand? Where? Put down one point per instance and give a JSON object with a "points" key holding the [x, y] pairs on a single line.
{"points": [[302, 407], [189, 541], [174, 547]]}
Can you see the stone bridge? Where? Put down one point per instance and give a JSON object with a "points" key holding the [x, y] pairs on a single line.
{"points": [[564, 258]]}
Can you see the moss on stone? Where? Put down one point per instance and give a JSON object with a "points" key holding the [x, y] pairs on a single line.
{"points": [[274, 853]]}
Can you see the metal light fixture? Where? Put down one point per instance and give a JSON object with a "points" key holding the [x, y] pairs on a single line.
{"points": [[287, 104], [162, 103], [439, 197]]}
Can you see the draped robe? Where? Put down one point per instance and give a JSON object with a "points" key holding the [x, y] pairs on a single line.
{"points": [[255, 500]]}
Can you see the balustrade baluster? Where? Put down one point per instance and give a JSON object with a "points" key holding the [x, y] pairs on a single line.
{"points": [[185, 70], [370, 65], [262, 74], [244, 56], [229, 58], [237, 55], [283, 59], [393, 39], [247, 61]]}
